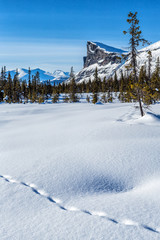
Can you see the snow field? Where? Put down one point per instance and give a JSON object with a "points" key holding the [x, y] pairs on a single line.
{"points": [[94, 171], [59, 204]]}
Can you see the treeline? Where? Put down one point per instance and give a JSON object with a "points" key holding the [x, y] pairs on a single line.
{"points": [[33, 90]]}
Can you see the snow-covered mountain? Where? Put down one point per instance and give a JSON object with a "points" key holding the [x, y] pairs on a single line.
{"points": [[109, 60], [142, 58], [56, 77]]}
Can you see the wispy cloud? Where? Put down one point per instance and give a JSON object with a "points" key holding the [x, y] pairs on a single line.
{"points": [[48, 54]]}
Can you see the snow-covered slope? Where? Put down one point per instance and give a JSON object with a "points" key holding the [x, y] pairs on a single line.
{"points": [[109, 48], [142, 57], [107, 63], [79, 171], [56, 77]]}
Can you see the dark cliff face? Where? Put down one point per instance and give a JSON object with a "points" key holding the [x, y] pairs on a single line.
{"points": [[105, 58], [96, 54]]}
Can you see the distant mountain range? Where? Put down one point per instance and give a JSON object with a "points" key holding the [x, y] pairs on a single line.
{"points": [[56, 77]]}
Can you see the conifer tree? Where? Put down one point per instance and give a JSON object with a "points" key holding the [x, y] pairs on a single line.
{"points": [[155, 82], [41, 99], [135, 40], [94, 98], [66, 99], [95, 87], [88, 99], [72, 75], [149, 65], [8, 90], [24, 91], [116, 83], [88, 86], [122, 87], [29, 74], [15, 90], [110, 90], [73, 95], [55, 97], [104, 85], [104, 98]]}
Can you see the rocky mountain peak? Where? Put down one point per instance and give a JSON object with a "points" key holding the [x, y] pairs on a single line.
{"points": [[101, 54], [109, 60]]}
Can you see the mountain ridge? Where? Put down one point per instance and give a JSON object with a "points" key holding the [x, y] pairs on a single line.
{"points": [[109, 48], [58, 76], [108, 63]]}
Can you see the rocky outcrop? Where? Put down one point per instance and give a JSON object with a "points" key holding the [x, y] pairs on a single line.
{"points": [[101, 54], [106, 58]]}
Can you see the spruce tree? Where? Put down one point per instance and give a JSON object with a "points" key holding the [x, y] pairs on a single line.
{"points": [[72, 75], [8, 90], [104, 98], [94, 98], [88, 99], [24, 91], [65, 99], [15, 93], [55, 98], [149, 65], [115, 83], [73, 96], [95, 87], [155, 82], [135, 40], [104, 85], [29, 74], [122, 87]]}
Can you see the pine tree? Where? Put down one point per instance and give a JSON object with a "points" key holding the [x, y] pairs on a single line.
{"points": [[122, 87], [135, 40], [110, 90], [41, 99], [115, 83], [149, 65], [95, 87], [72, 75], [94, 98], [88, 99], [55, 98], [73, 96], [104, 85], [15, 80], [144, 87], [155, 82], [88, 86], [8, 89], [66, 99], [24, 91], [104, 98], [29, 74]]}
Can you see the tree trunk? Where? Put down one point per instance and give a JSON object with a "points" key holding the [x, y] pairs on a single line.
{"points": [[140, 106]]}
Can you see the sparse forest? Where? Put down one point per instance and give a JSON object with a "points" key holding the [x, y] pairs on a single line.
{"points": [[33, 90]]}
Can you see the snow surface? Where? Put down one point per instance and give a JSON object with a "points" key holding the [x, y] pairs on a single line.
{"points": [[109, 48], [79, 171]]}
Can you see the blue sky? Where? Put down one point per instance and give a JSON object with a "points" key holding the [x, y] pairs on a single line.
{"points": [[52, 34]]}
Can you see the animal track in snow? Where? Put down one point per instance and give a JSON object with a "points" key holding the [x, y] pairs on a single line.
{"points": [[57, 202]]}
